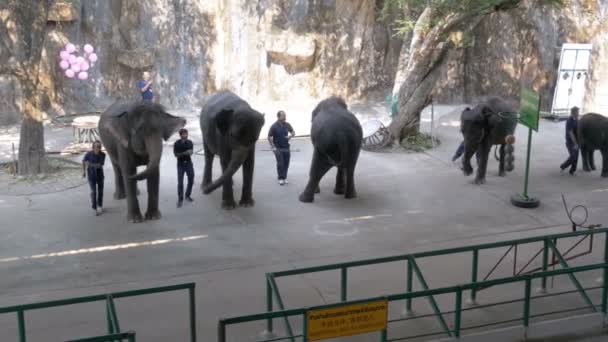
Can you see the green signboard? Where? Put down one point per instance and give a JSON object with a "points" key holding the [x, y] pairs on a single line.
{"points": [[529, 110]]}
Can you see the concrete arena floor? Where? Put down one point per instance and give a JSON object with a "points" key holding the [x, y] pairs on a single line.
{"points": [[407, 203]]}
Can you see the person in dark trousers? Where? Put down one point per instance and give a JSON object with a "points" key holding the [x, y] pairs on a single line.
{"points": [[278, 136], [145, 87], [183, 149], [571, 141], [92, 168]]}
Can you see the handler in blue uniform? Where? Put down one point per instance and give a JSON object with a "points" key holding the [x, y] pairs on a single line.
{"points": [[278, 136], [92, 168]]}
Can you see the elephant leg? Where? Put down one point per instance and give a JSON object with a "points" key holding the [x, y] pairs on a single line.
{"points": [[585, 159], [247, 193], [591, 152], [227, 193], [318, 169], [153, 183], [484, 152], [133, 212], [340, 181], [605, 162], [207, 172], [350, 182], [119, 184], [501, 162]]}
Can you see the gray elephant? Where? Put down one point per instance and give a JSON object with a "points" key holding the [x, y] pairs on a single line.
{"points": [[593, 135], [133, 134], [230, 130], [490, 123], [336, 136]]}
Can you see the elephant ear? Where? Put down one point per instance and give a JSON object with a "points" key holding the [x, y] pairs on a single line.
{"points": [[492, 118], [117, 126], [171, 125], [223, 120]]}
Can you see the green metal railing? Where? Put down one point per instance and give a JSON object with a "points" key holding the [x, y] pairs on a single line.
{"points": [[129, 336], [413, 270], [114, 333]]}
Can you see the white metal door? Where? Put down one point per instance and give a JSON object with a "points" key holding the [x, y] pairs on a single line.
{"points": [[573, 72]]}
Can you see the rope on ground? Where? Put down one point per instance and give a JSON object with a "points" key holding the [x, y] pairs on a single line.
{"points": [[581, 223]]}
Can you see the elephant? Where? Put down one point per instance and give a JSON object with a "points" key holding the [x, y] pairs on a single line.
{"points": [[133, 134], [230, 130], [492, 122], [593, 135], [336, 136]]}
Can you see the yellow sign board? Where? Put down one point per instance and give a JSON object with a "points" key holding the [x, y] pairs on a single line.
{"points": [[346, 320]]}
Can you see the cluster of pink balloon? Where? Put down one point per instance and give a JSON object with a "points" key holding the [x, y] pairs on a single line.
{"points": [[75, 65]]}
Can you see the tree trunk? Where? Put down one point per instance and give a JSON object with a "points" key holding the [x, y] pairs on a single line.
{"points": [[32, 154]]}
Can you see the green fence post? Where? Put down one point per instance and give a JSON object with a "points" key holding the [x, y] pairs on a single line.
{"points": [[269, 308], [21, 322], [221, 331], [458, 313], [192, 300], [383, 335], [473, 299], [605, 280], [304, 328], [343, 283], [409, 287], [543, 287], [527, 305]]}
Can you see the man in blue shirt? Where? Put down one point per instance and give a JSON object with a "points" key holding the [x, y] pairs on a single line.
{"points": [[145, 87], [571, 141], [278, 136], [183, 149], [92, 168]]}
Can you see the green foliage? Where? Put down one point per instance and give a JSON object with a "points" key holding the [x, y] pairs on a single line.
{"points": [[419, 142], [394, 11]]}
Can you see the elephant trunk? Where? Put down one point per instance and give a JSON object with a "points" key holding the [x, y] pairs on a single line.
{"points": [[236, 160], [154, 147]]}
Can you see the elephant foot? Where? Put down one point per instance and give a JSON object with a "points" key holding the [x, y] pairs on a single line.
{"points": [[136, 217], [306, 197], [605, 174], [467, 170], [204, 185], [592, 168], [479, 181], [119, 195], [317, 190], [153, 215], [246, 203], [228, 204], [339, 191], [350, 194], [501, 173]]}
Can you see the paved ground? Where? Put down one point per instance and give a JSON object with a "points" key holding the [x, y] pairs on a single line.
{"points": [[54, 247]]}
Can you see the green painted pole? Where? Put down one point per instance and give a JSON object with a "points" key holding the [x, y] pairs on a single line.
{"points": [[192, 297], [605, 284], [21, 322], [269, 326], [527, 305], [384, 335], [343, 283], [221, 332], [525, 194], [410, 285], [304, 327], [458, 313], [545, 264], [474, 275]]}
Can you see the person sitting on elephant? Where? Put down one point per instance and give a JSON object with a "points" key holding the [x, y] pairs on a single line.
{"points": [[145, 87], [278, 136], [183, 149], [571, 141], [92, 168]]}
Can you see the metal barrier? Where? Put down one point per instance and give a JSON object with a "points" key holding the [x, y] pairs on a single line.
{"points": [[549, 246], [129, 336], [114, 333]]}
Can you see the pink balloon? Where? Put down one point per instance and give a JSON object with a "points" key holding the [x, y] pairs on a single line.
{"points": [[75, 68], [93, 57], [83, 75], [64, 64], [72, 59], [79, 60], [88, 48], [69, 73], [84, 66], [64, 55], [70, 48]]}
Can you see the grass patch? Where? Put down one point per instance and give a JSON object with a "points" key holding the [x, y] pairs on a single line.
{"points": [[419, 142]]}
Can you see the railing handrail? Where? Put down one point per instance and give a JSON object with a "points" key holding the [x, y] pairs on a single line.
{"points": [[95, 298], [130, 335], [414, 294], [455, 250]]}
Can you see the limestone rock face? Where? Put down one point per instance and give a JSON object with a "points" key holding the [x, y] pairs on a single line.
{"points": [[295, 53], [137, 58], [62, 11]]}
